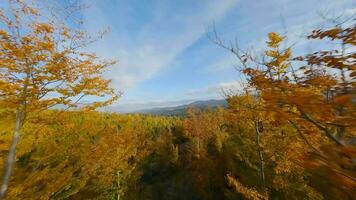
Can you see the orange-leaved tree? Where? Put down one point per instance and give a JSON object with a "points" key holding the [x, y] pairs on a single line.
{"points": [[42, 66], [314, 94]]}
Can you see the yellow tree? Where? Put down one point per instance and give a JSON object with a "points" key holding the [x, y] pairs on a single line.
{"points": [[317, 99], [250, 108], [42, 66]]}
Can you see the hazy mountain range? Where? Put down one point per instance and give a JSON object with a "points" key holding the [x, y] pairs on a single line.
{"points": [[181, 109]]}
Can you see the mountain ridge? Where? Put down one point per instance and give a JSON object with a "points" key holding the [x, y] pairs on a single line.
{"points": [[180, 110]]}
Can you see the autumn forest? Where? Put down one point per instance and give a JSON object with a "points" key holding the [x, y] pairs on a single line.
{"points": [[288, 133]]}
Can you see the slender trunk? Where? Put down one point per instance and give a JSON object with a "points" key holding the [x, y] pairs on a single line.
{"points": [[118, 184], [20, 118], [12, 153], [198, 147], [260, 155]]}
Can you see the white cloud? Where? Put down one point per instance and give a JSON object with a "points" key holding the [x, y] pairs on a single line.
{"points": [[144, 55], [216, 91], [154, 46], [226, 63], [136, 105]]}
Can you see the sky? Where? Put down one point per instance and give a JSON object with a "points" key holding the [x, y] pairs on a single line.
{"points": [[164, 55]]}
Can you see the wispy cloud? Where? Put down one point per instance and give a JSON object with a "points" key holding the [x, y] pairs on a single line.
{"points": [[137, 105], [144, 55], [295, 27], [216, 91], [163, 51]]}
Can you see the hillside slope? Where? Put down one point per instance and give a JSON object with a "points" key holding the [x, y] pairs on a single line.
{"points": [[181, 109]]}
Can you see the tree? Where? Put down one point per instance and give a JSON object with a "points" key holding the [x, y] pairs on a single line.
{"points": [[316, 98], [249, 107], [42, 66]]}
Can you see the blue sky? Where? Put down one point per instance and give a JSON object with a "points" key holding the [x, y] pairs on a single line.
{"points": [[164, 55]]}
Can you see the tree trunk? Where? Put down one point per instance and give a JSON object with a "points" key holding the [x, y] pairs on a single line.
{"points": [[260, 155], [12, 152], [20, 118]]}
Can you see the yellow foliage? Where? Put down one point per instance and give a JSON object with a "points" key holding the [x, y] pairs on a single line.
{"points": [[274, 39], [248, 193]]}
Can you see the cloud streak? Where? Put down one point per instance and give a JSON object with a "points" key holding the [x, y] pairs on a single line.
{"points": [[164, 55], [160, 40]]}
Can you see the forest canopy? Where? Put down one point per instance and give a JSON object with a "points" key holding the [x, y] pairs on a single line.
{"points": [[289, 133]]}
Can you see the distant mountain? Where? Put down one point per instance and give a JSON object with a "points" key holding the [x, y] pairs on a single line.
{"points": [[181, 109]]}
